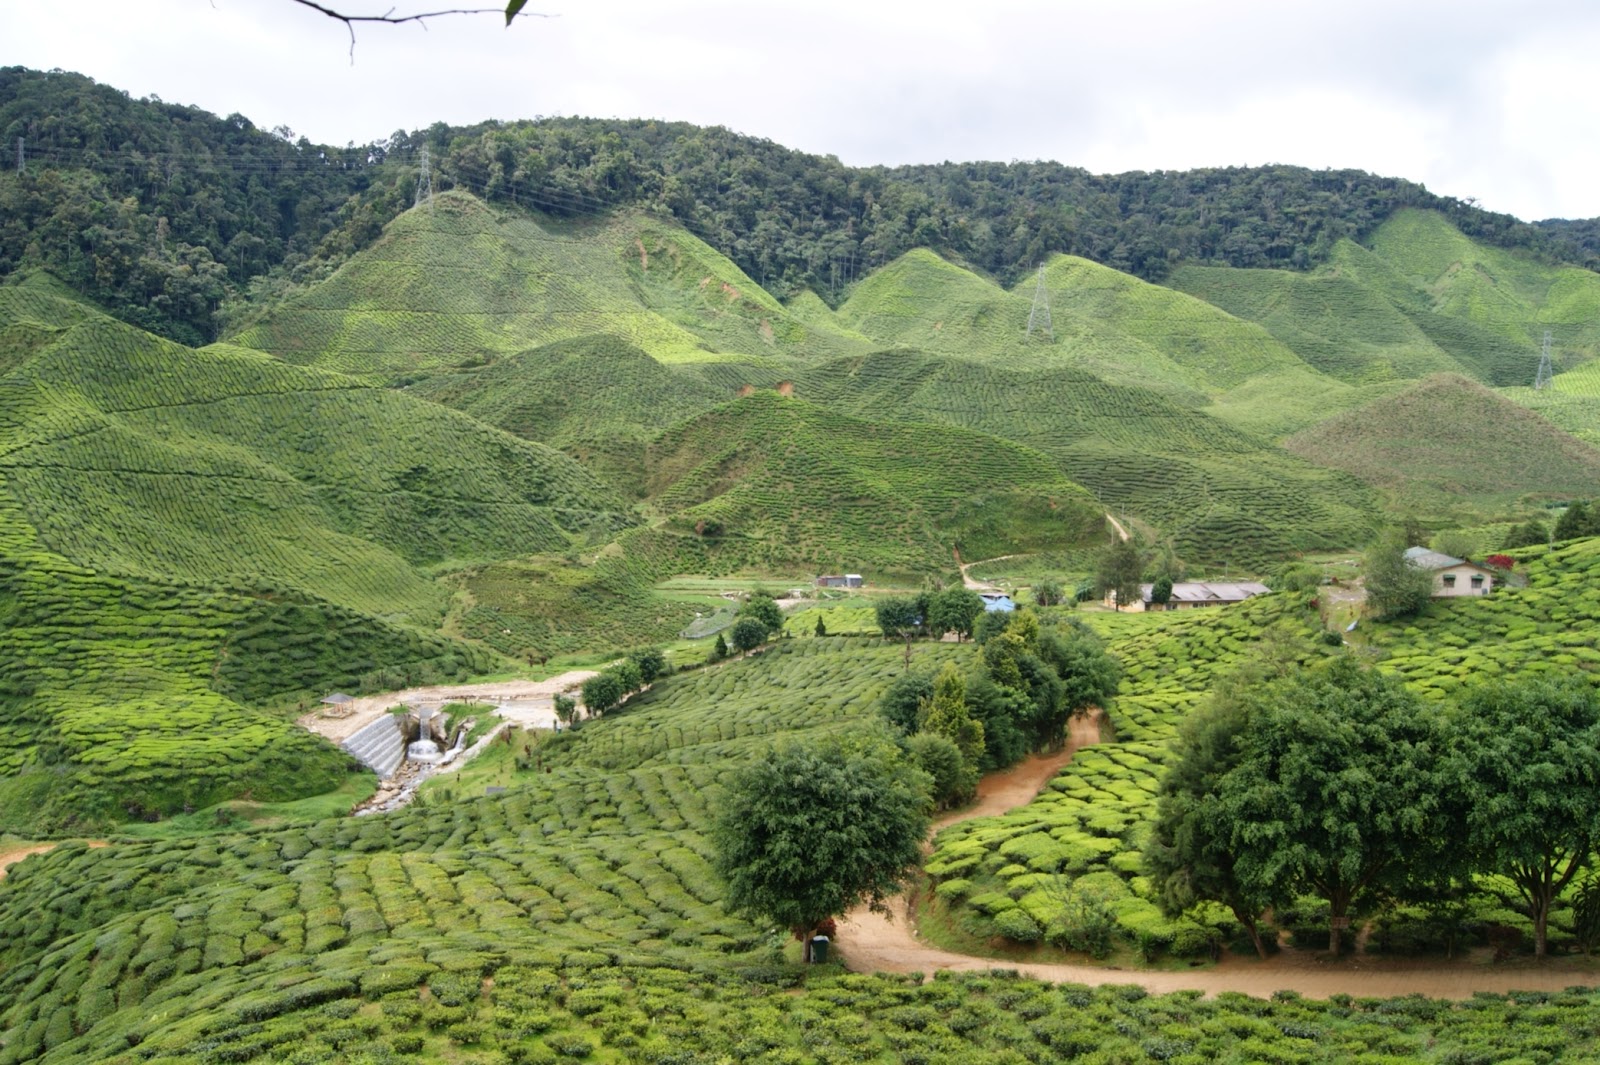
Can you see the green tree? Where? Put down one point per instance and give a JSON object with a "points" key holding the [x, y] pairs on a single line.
{"points": [[1395, 588], [1531, 533], [940, 758], [1048, 592], [815, 829], [1457, 543], [1339, 792], [602, 693], [954, 610], [765, 609], [1579, 519], [565, 707], [650, 662], [1527, 761], [945, 714], [1161, 591], [748, 634], [1089, 675], [900, 618], [1118, 572], [719, 650], [821, 629], [1189, 857], [901, 702]]}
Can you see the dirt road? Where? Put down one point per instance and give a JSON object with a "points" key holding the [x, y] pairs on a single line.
{"points": [[526, 702], [889, 942]]}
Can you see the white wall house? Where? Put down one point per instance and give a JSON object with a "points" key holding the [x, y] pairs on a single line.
{"points": [[1452, 576]]}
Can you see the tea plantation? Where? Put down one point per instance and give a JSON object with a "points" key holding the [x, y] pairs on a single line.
{"points": [[575, 916]]}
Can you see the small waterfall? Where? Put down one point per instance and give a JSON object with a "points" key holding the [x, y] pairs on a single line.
{"points": [[424, 748]]}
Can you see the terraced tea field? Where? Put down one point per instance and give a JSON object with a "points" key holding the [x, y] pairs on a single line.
{"points": [[461, 284], [805, 485], [1451, 444], [137, 455]]}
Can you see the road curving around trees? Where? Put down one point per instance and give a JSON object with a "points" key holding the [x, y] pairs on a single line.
{"points": [[879, 942]]}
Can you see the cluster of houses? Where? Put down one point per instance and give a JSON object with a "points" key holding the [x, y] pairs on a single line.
{"points": [[1452, 577]]}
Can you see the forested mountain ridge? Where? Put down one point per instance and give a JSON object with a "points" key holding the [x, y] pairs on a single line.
{"points": [[168, 215]]}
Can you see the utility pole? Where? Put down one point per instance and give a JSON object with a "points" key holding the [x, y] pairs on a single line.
{"points": [[1039, 316], [425, 181], [1541, 380]]}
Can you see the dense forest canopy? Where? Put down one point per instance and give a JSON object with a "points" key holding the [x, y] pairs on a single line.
{"points": [[168, 214]]}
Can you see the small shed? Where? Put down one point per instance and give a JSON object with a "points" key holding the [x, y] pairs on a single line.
{"points": [[997, 602]]}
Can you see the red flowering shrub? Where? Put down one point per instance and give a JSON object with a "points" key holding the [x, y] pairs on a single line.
{"points": [[1500, 561]]}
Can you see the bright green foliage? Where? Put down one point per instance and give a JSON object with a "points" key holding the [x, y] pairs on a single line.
{"points": [[651, 663], [1395, 588], [816, 829], [902, 702], [1526, 763]]}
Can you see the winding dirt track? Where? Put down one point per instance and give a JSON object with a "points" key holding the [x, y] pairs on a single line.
{"points": [[889, 943]]}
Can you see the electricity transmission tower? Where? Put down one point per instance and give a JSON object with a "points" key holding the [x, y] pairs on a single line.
{"points": [[1039, 317], [1541, 380], [425, 181]]}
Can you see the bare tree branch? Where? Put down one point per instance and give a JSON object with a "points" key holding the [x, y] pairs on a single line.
{"points": [[512, 10]]}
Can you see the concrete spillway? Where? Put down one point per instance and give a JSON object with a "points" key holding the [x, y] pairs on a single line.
{"points": [[380, 746]]}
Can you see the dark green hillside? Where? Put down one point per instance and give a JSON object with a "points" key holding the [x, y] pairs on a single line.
{"points": [[1224, 496], [781, 479], [135, 454], [1449, 442], [461, 283]]}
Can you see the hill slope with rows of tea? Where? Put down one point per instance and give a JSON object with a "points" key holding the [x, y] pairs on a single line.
{"points": [[801, 484], [1448, 438]]}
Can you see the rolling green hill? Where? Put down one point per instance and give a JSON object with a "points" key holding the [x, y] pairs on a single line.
{"points": [[1225, 497], [598, 398], [460, 284], [787, 481], [135, 454], [1451, 443]]}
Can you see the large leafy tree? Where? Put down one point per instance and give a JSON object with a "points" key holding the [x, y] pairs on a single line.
{"points": [[1342, 793], [1337, 789], [818, 828], [1527, 763], [1395, 588], [954, 610], [1189, 856]]}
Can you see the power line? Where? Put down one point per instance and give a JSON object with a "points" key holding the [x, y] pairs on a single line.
{"points": [[425, 181], [1039, 316], [1542, 379]]}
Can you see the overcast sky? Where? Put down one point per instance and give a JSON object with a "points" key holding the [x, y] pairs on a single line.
{"points": [[1494, 101]]}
